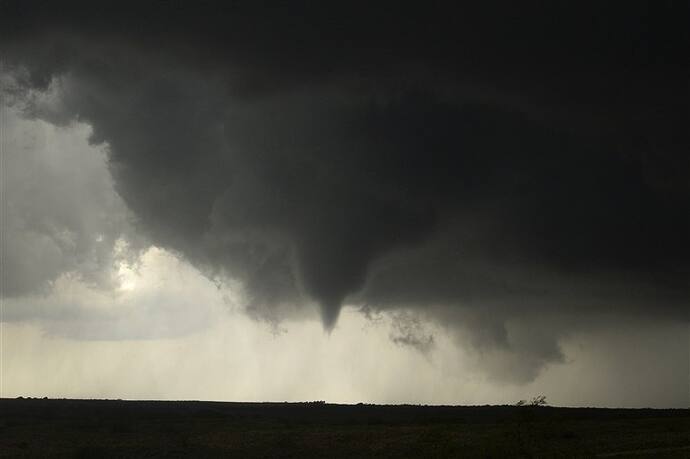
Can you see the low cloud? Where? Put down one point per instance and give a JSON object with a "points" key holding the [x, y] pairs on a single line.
{"points": [[408, 330], [450, 174]]}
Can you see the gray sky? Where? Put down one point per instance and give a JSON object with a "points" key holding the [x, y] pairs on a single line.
{"points": [[160, 329], [193, 208]]}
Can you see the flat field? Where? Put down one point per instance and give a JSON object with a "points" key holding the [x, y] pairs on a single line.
{"points": [[114, 428]]}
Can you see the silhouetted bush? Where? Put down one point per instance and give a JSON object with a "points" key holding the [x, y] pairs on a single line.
{"points": [[539, 400]]}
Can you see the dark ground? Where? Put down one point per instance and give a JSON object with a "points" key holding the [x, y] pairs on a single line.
{"points": [[110, 428]]}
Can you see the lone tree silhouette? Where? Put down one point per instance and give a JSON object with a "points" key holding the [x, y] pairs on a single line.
{"points": [[539, 400]]}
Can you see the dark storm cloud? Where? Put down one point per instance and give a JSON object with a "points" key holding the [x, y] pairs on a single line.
{"points": [[500, 157]]}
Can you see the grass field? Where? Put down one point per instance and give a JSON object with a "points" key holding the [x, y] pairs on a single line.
{"points": [[111, 428]]}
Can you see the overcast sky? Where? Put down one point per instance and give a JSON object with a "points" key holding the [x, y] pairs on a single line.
{"points": [[346, 203]]}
